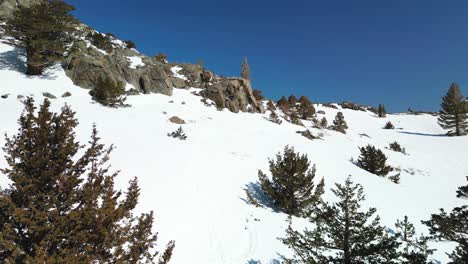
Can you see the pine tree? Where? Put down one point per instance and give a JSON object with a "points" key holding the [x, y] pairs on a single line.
{"points": [[395, 146], [109, 93], [258, 95], [44, 30], [291, 187], [454, 114], [292, 100], [179, 134], [452, 227], [324, 123], [343, 233], [245, 70], [381, 111], [306, 107], [389, 125], [373, 160], [339, 124], [283, 104], [414, 249], [62, 206], [274, 118]]}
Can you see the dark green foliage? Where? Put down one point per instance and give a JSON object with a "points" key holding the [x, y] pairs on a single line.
{"points": [[339, 124], [161, 57], [258, 95], [373, 160], [308, 134], [395, 178], [306, 108], [294, 118], [396, 147], [414, 249], [271, 106], [324, 123], [291, 187], [179, 134], [381, 111], [274, 118], [101, 41], [44, 30], [62, 206], [343, 233], [453, 115], [292, 100], [245, 69], [452, 227], [109, 93], [283, 104], [389, 125], [130, 44]]}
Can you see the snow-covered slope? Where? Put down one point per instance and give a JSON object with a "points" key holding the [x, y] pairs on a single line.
{"points": [[196, 186]]}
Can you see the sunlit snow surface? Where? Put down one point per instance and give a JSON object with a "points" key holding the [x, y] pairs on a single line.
{"points": [[196, 186]]}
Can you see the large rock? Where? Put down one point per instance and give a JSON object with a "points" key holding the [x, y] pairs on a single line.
{"points": [[88, 65], [233, 93]]}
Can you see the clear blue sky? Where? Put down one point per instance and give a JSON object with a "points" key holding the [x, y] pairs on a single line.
{"points": [[401, 53]]}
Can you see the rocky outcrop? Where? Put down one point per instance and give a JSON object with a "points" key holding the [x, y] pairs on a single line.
{"points": [[8, 6], [89, 64], [234, 94]]}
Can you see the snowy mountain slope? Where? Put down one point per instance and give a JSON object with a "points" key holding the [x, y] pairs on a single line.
{"points": [[196, 186]]}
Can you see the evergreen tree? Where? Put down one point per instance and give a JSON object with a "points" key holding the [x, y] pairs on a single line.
{"points": [[292, 100], [453, 115], [245, 70], [389, 125], [62, 206], [258, 95], [324, 123], [109, 93], [339, 124], [414, 249], [343, 233], [395, 146], [291, 187], [373, 160], [283, 104], [306, 107], [381, 111], [274, 118], [452, 227], [44, 30]]}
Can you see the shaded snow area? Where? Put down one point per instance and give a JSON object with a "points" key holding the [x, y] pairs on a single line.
{"points": [[196, 187], [135, 62], [175, 70]]}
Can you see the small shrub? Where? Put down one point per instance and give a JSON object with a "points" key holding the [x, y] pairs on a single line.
{"points": [[373, 160], [339, 124], [274, 118], [161, 57], [324, 123], [101, 41], [109, 93], [396, 147], [395, 178], [389, 125], [308, 134], [258, 95], [130, 44], [271, 106], [179, 134], [306, 108]]}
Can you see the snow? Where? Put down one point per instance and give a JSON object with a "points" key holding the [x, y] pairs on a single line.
{"points": [[135, 62], [175, 70], [196, 186]]}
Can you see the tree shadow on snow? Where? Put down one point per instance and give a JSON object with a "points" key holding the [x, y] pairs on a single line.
{"points": [[15, 60], [256, 192], [421, 134]]}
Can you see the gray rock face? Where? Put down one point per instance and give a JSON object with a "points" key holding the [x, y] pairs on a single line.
{"points": [[90, 64], [8, 6], [234, 94]]}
